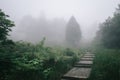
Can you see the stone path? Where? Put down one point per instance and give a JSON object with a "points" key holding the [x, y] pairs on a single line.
{"points": [[81, 69]]}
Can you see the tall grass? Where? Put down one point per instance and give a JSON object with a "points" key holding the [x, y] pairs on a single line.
{"points": [[106, 65]]}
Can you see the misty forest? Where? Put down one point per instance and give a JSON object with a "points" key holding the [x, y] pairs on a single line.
{"points": [[60, 40]]}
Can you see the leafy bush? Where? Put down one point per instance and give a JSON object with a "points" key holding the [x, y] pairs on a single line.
{"points": [[36, 62]]}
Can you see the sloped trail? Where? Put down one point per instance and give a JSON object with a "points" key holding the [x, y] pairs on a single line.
{"points": [[81, 69]]}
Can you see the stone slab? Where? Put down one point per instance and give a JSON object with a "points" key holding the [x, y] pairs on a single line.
{"points": [[85, 62], [86, 59], [78, 73]]}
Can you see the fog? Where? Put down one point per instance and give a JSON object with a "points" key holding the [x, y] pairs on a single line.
{"points": [[35, 29], [35, 19]]}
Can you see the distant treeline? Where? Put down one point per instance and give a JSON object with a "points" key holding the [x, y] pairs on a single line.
{"points": [[109, 34]]}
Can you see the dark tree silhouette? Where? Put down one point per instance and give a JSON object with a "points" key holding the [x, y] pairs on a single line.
{"points": [[73, 32], [109, 33], [5, 27]]}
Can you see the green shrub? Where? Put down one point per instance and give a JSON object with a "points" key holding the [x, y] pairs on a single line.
{"points": [[36, 62]]}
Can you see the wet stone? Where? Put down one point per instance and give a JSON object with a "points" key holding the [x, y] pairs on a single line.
{"points": [[81, 73]]}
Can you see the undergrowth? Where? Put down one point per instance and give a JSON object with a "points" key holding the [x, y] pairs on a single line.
{"points": [[106, 65]]}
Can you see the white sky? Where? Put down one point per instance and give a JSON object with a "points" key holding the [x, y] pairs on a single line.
{"points": [[87, 12]]}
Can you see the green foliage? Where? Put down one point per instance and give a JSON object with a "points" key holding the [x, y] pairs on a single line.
{"points": [[73, 33], [36, 62], [25, 61], [69, 52], [109, 32], [106, 65], [5, 26]]}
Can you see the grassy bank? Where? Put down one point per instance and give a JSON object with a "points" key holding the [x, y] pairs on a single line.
{"points": [[106, 65]]}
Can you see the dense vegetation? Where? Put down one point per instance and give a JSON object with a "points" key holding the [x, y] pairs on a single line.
{"points": [[106, 65], [107, 61], [26, 61]]}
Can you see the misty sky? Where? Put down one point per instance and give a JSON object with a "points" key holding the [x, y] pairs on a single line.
{"points": [[89, 13]]}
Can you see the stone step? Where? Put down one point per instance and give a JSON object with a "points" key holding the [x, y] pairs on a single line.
{"points": [[86, 59], [85, 62], [77, 74], [88, 56], [83, 66], [81, 69]]}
